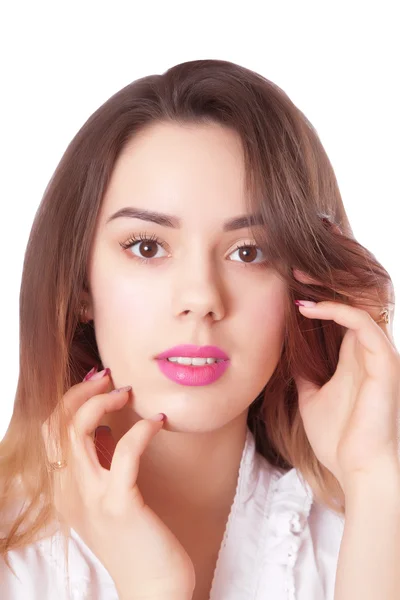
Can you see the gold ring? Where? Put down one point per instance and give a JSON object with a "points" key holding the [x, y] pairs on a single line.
{"points": [[383, 317], [56, 466]]}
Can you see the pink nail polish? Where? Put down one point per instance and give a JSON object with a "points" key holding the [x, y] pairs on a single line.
{"points": [[90, 373], [126, 388], [305, 303], [159, 417], [100, 374]]}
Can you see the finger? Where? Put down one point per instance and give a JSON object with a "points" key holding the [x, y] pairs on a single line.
{"points": [[72, 400], [84, 466], [88, 416], [61, 477], [361, 302], [80, 393], [50, 438], [87, 420], [126, 460], [380, 354]]}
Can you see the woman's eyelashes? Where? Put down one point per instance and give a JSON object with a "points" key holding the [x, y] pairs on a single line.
{"points": [[144, 243], [146, 247]]}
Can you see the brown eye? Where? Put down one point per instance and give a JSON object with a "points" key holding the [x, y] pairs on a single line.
{"points": [[147, 249], [248, 254], [143, 247]]}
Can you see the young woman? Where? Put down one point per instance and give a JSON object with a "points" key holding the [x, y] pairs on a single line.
{"points": [[252, 451]]}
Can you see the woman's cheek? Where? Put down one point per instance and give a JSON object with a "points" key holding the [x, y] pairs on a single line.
{"points": [[137, 307], [266, 321]]}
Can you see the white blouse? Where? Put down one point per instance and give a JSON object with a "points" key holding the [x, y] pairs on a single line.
{"points": [[279, 544]]}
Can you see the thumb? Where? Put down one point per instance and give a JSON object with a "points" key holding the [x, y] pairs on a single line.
{"points": [[105, 445]]}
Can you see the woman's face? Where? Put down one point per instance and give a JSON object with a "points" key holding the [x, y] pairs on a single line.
{"points": [[189, 284]]}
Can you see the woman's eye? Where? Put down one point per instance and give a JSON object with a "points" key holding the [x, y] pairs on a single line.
{"points": [[248, 253], [145, 248], [148, 249]]}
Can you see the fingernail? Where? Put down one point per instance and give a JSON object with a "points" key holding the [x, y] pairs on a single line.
{"points": [[100, 374], [159, 417], [126, 388], [90, 373], [306, 303]]}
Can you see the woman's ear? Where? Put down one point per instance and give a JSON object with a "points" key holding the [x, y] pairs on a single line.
{"points": [[86, 301]]}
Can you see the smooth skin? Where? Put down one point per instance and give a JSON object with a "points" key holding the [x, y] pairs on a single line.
{"points": [[105, 506], [195, 288]]}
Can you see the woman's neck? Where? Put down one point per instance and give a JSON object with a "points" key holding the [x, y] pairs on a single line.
{"points": [[193, 473]]}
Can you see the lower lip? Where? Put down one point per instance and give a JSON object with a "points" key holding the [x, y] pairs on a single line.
{"points": [[189, 375]]}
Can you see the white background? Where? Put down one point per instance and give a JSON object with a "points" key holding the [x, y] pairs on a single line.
{"points": [[338, 62]]}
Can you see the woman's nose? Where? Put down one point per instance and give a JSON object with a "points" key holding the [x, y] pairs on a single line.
{"points": [[200, 294]]}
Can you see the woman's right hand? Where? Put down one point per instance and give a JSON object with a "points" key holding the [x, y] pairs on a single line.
{"points": [[106, 508]]}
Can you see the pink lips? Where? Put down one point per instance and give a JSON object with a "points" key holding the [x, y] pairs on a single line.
{"points": [[193, 375], [193, 351]]}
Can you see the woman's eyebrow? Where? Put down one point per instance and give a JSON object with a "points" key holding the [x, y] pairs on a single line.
{"points": [[170, 221]]}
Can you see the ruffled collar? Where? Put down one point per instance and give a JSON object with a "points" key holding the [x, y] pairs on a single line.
{"points": [[268, 514]]}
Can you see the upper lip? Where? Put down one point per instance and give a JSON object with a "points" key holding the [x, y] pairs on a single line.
{"points": [[192, 351]]}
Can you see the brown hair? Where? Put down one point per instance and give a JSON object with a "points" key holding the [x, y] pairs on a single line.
{"points": [[291, 183]]}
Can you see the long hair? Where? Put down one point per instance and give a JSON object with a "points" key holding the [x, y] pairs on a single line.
{"points": [[290, 183]]}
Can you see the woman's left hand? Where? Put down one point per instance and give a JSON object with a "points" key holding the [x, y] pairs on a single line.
{"points": [[352, 422]]}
